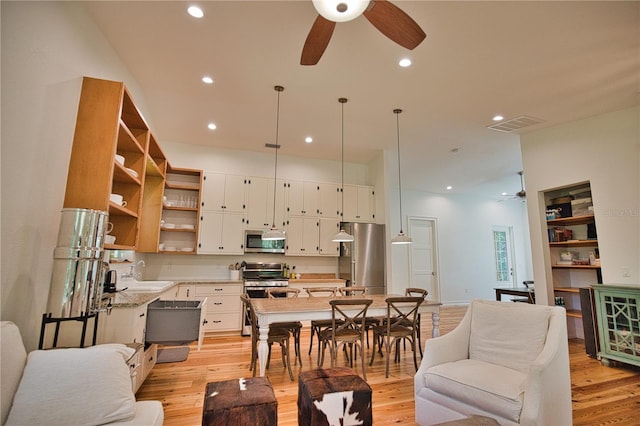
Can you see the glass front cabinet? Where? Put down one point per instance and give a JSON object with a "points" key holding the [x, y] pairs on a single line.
{"points": [[618, 310]]}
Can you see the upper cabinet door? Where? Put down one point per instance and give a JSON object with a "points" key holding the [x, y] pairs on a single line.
{"points": [[328, 200], [259, 191], [222, 192], [260, 212], [302, 198], [358, 204]]}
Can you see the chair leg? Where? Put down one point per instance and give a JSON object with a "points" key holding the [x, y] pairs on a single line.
{"points": [[388, 344], [285, 350], [313, 330], [413, 348], [362, 361], [418, 332]]}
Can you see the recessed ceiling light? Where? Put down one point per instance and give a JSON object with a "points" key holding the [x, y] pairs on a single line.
{"points": [[504, 193], [195, 11], [449, 188], [308, 139], [405, 62], [497, 118], [212, 126], [207, 79]]}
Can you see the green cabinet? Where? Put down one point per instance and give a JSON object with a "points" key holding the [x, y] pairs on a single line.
{"points": [[618, 311]]}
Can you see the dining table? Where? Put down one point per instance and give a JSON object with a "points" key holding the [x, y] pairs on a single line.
{"points": [[282, 309]]}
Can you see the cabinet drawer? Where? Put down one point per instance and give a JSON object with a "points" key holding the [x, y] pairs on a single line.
{"points": [[223, 303], [212, 290], [149, 360], [224, 321]]}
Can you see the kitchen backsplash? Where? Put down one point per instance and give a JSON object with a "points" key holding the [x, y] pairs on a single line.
{"points": [[197, 267]]}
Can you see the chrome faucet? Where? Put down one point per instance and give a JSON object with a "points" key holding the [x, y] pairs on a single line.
{"points": [[133, 273]]}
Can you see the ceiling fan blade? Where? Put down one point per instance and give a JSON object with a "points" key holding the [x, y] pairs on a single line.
{"points": [[391, 21], [317, 41]]}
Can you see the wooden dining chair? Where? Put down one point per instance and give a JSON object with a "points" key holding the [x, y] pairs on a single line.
{"points": [[346, 330], [356, 291], [417, 292], [351, 291], [294, 327], [400, 324], [317, 326], [276, 335]]}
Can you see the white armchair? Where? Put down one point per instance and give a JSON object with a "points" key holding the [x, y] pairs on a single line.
{"points": [[507, 361]]}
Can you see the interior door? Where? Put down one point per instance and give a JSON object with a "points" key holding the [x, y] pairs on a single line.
{"points": [[423, 256]]}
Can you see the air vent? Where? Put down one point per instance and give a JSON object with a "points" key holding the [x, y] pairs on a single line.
{"points": [[271, 145], [515, 123]]}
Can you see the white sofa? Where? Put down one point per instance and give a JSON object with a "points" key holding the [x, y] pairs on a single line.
{"points": [[508, 361], [90, 386]]}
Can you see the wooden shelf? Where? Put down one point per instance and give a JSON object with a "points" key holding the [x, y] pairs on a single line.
{"points": [[575, 266], [177, 230], [185, 187], [574, 313], [575, 243], [574, 220], [567, 290]]}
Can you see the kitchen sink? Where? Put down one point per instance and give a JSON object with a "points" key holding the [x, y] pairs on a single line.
{"points": [[134, 286]]}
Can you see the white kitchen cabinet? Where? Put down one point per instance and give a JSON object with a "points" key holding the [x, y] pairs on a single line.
{"points": [[260, 212], [186, 292], [302, 236], [222, 192], [328, 200], [302, 198], [327, 229], [224, 308], [358, 203], [123, 325], [221, 233]]}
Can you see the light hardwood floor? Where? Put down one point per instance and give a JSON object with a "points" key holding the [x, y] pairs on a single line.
{"points": [[601, 395]]}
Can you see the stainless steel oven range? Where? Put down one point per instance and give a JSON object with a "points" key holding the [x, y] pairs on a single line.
{"points": [[257, 278]]}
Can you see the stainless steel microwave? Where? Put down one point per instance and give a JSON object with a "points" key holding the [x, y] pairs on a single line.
{"points": [[253, 243]]}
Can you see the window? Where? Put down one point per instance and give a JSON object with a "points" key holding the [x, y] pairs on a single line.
{"points": [[501, 251]]}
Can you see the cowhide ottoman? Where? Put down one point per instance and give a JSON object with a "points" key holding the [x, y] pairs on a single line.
{"points": [[333, 396], [240, 402]]}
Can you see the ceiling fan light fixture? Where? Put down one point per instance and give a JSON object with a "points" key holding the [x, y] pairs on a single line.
{"points": [[340, 10]]}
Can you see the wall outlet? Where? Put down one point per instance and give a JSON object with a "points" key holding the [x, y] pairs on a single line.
{"points": [[625, 272]]}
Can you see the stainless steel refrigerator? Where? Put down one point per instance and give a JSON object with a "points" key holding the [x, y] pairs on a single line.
{"points": [[362, 262]]}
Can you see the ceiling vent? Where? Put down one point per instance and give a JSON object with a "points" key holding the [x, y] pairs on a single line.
{"points": [[515, 123]]}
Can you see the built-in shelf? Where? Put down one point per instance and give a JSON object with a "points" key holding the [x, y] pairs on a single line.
{"points": [[573, 220], [575, 243], [575, 266]]}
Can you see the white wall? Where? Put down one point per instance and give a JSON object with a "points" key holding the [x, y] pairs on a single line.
{"points": [[603, 150], [466, 267], [46, 49]]}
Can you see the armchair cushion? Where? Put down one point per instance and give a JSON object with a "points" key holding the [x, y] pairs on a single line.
{"points": [[89, 386], [497, 338], [472, 382]]}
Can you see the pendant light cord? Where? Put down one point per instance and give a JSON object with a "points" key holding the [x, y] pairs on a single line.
{"points": [[342, 101], [275, 171], [397, 112]]}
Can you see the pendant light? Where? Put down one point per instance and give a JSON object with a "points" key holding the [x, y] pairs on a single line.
{"points": [[401, 238], [275, 233], [342, 236]]}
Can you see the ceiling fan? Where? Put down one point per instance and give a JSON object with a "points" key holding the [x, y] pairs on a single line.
{"points": [[389, 19], [522, 194]]}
